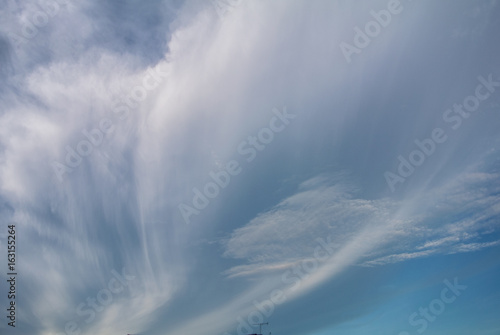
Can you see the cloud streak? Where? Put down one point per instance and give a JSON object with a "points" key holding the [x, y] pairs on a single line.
{"points": [[220, 79]]}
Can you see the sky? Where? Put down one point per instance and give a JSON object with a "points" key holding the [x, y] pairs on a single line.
{"points": [[200, 167]]}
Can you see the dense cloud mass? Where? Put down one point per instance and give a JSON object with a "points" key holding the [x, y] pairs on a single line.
{"points": [[199, 167]]}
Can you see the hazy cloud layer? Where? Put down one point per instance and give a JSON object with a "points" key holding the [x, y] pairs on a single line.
{"points": [[113, 113]]}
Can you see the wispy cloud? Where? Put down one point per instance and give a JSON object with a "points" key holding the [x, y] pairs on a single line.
{"points": [[118, 208], [458, 217]]}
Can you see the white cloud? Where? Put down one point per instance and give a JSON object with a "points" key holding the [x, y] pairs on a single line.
{"points": [[454, 217], [118, 208]]}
